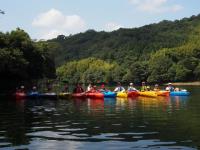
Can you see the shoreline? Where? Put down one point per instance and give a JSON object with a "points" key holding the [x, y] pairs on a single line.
{"points": [[196, 83]]}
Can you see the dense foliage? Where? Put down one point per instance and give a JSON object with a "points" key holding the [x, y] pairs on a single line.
{"points": [[167, 51], [23, 59], [90, 69]]}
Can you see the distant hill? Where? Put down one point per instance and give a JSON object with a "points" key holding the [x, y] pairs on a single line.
{"points": [[167, 51]]}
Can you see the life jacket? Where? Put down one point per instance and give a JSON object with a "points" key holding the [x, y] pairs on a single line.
{"points": [[130, 88], [144, 88]]}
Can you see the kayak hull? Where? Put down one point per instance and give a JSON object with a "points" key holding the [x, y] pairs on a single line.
{"points": [[109, 94], [64, 95], [122, 94], [148, 94], [179, 93], [129, 94], [79, 95], [133, 94], [20, 95], [97, 95], [163, 93], [48, 95], [33, 95]]}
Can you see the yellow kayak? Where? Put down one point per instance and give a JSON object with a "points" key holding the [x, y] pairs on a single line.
{"points": [[64, 95], [122, 94], [148, 94]]}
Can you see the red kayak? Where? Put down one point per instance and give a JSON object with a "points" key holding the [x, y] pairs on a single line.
{"points": [[79, 95], [20, 95], [133, 94], [94, 95]]}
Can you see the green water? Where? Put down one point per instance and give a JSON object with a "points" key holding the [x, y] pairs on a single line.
{"points": [[138, 123]]}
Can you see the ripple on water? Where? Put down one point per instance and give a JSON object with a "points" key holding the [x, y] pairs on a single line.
{"points": [[116, 124], [5, 144], [73, 129], [50, 135], [128, 124], [40, 128]]}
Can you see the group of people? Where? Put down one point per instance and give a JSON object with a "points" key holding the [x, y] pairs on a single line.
{"points": [[93, 88], [120, 88], [90, 88], [169, 87]]}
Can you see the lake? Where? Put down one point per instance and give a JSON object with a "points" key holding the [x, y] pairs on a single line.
{"points": [[138, 123]]}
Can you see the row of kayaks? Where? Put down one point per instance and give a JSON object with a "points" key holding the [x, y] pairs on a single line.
{"points": [[20, 95], [153, 93], [110, 94], [100, 95]]}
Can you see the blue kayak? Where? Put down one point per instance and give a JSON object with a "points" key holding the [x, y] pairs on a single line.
{"points": [[179, 93], [33, 95], [109, 94]]}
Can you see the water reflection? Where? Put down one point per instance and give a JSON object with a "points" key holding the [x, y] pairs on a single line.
{"points": [[138, 122], [96, 106]]}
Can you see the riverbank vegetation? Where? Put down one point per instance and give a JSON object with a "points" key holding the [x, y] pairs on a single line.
{"points": [[23, 59]]}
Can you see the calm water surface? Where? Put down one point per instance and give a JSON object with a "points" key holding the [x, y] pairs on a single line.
{"points": [[139, 123]]}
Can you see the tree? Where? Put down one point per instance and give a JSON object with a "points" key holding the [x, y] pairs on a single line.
{"points": [[24, 59]]}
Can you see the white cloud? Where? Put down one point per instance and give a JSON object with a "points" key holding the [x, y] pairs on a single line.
{"points": [[54, 22], [176, 8], [155, 6], [111, 26]]}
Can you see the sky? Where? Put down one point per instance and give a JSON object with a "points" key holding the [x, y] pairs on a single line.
{"points": [[45, 19]]}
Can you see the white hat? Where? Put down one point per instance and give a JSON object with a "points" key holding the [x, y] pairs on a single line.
{"points": [[131, 83], [169, 83]]}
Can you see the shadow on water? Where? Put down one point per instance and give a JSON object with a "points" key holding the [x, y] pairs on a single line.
{"points": [[140, 122]]}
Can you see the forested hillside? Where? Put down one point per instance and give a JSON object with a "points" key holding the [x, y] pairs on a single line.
{"points": [[167, 51]]}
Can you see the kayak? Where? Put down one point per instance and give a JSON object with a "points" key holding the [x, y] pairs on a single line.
{"points": [[109, 94], [179, 93], [148, 94], [48, 95], [20, 95], [129, 94], [33, 95], [163, 93], [79, 95], [122, 94], [94, 95], [133, 93], [64, 95]]}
